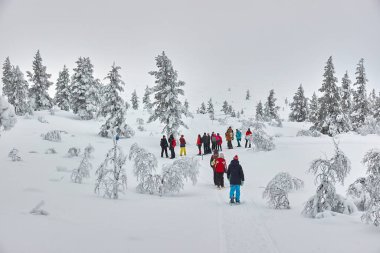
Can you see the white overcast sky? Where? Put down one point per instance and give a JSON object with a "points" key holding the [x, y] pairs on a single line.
{"points": [[213, 44]]}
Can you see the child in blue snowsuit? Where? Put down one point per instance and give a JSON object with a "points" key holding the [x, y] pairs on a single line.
{"points": [[235, 175], [238, 137]]}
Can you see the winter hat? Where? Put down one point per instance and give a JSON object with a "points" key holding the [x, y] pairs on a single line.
{"points": [[236, 157], [221, 155]]}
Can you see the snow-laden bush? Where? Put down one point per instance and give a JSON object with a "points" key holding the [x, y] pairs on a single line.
{"points": [[7, 115], [112, 177], [53, 135], [358, 193], [170, 180], [89, 150], [37, 210], [278, 188], [275, 122], [144, 167], [174, 175], [310, 132], [370, 126], [222, 121], [372, 186], [83, 171], [141, 128], [14, 155], [261, 140], [42, 120], [73, 152], [127, 131], [328, 172], [51, 151]]}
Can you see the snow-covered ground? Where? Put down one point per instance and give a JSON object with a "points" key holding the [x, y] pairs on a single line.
{"points": [[198, 219]]}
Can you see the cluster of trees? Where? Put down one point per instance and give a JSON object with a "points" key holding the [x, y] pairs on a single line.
{"points": [[339, 108], [87, 97]]}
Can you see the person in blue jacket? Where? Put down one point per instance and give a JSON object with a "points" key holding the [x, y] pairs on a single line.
{"points": [[238, 137], [235, 175]]}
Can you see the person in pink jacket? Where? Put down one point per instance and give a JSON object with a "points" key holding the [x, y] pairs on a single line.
{"points": [[219, 142]]}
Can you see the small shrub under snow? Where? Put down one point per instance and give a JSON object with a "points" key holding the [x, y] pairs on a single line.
{"points": [[127, 131], [370, 126], [14, 155], [278, 188], [83, 171], [53, 135], [51, 151], [73, 152], [37, 210], [310, 132], [42, 120]]}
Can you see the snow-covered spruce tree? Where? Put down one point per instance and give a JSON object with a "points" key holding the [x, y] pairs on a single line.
{"points": [[278, 188], [210, 109], [376, 108], [360, 107], [7, 77], [186, 106], [144, 167], [225, 107], [135, 101], [259, 112], [331, 119], [38, 93], [299, 109], [372, 187], [113, 107], [53, 135], [358, 193], [372, 100], [313, 109], [62, 90], [271, 109], [18, 93], [7, 115], [247, 95], [174, 175], [112, 178], [328, 172], [167, 106], [83, 171], [146, 99], [202, 109], [83, 90], [370, 126], [346, 94]]}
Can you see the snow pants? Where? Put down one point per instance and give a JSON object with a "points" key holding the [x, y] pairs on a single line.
{"points": [[229, 144], [219, 147], [219, 179], [235, 188], [215, 178], [213, 145], [166, 152], [238, 141], [172, 153], [199, 149], [246, 142], [182, 151]]}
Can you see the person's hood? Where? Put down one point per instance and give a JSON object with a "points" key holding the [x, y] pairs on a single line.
{"points": [[235, 162]]}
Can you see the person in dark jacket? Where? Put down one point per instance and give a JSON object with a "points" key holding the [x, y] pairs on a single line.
{"points": [[213, 141], [164, 146], [235, 175], [208, 143], [172, 144], [204, 142]]}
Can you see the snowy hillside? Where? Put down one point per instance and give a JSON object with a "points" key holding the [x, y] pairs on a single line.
{"points": [[197, 219]]}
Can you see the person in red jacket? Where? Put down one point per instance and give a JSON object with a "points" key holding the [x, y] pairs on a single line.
{"points": [[172, 144], [220, 169], [248, 137], [182, 145], [218, 142], [199, 144]]}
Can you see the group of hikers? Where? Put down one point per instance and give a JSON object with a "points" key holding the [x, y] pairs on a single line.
{"points": [[213, 144], [209, 142]]}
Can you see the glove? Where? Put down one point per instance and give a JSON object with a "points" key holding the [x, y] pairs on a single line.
{"points": [[242, 183]]}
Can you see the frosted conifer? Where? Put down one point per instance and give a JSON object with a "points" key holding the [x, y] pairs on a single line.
{"points": [[271, 109], [135, 101], [113, 107], [346, 94], [18, 94], [360, 108], [202, 109], [38, 93], [62, 94], [210, 109], [259, 112], [7, 77], [7, 115], [167, 107], [146, 99], [248, 95], [298, 107]]}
